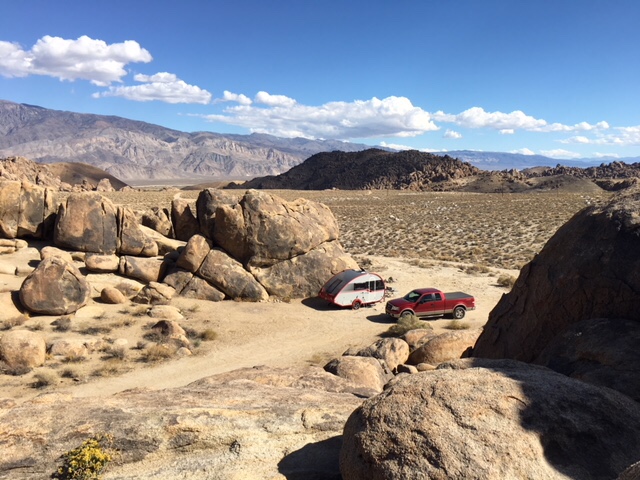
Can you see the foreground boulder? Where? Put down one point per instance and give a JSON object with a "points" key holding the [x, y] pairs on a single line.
{"points": [[55, 287], [589, 269], [255, 423], [26, 210], [491, 420], [447, 346]]}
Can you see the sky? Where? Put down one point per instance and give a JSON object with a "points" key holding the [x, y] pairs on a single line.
{"points": [[559, 78]]}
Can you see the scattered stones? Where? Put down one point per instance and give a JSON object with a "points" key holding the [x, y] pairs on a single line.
{"points": [[71, 349], [155, 294], [166, 312]]}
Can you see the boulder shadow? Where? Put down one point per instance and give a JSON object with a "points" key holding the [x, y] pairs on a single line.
{"points": [[381, 318], [319, 304], [314, 461]]}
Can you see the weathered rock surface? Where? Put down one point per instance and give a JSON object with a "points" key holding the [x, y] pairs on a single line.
{"points": [[158, 219], [601, 351], [26, 210], [228, 275], [87, 222], [96, 262], [589, 269], [112, 296], [444, 347], [55, 287], [185, 222], [367, 372], [191, 286], [418, 337], [206, 205], [144, 269], [133, 241], [155, 294], [22, 349], [194, 253], [394, 351], [49, 251], [249, 424], [491, 419], [272, 229], [304, 275]]}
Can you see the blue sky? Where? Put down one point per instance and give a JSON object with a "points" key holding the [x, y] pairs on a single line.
{"points": [[557, 78]]}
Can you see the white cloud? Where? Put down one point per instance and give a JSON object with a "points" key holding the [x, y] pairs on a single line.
{"points": [[452, 134], [81, 59], [523, 151], [560, 153], [274, 100], [283, 116], [228, 96], [476, 117], [507, 131], [606, 155], [163, 86], [577, 139]]}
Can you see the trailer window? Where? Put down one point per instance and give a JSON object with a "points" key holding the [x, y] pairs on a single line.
{"points": [[379, 285], [333, 287], [361, 286]]}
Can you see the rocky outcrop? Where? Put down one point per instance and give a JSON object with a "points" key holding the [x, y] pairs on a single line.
{"points": [[393, 351], [26, 210], [184, 220], [601, 351], [589, 269], [55, 287], [367, 372], [253, 423], [444, 347], [491, 419]]}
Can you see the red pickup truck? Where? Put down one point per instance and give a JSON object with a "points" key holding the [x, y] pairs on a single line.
{"points": [[431, 302]]}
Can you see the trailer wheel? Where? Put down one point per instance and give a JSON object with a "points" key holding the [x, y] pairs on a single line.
{"points": [[458, 313], [356, 305]]}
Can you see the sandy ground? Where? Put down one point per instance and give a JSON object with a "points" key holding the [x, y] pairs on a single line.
{"points": [[277, 334]]}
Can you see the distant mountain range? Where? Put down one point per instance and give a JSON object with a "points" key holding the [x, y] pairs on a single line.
{"points": [[133, 150]]}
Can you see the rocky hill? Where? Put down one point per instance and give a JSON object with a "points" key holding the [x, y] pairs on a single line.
{"points": [[370, 169], [131, 149]]}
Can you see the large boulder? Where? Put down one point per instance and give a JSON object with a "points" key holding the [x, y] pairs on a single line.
{"points": [[141, 268], [189, 285], [133, 241], [600, 351], [26, 210], [158, 219], [264, 229], [304, 275], [206, 205], [185, 223], [589, 269], [394, 351], [444, 347], [228, 276], [22, 350], [194, 253], [55, 287], [491, 419], [367, 372], [87, 222]]}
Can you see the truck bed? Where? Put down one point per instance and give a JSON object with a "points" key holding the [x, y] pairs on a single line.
{"points": [[457, 295]]}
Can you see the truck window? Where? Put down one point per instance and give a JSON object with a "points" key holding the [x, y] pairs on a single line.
{"points": [[412, 296], [438, 297], [427, 298]]}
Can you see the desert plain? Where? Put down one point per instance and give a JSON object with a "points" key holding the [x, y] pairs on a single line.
{"points": [[467, 242]]}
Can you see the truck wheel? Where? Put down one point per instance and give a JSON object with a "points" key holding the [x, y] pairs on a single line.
{"points": [[406, 313], [356, 305], [458, 313]]}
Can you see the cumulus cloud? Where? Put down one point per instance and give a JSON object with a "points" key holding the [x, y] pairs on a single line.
{"points": [[560, 153], [163, 86], [283, 116], [81, 59], [606, 155], [452, 134], [477, 117], [507, 131], [228, 96]]}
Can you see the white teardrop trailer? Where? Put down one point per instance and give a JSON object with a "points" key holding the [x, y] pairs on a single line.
{"points": [[353, 288]]}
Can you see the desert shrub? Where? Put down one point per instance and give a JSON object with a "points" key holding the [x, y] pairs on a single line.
{"points": [[157, 353], [457, 325], [14, 371], [87, 461], [73, 358], [507, 281], [13, 322], [94, 329], [405, 324], [476, 269], [113, 366], [69, 373], [116, 351], [36, 327], [208, 335], [62, 324], [45, 378]]}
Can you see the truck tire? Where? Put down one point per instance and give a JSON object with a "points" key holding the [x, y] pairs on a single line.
{"points": [[459, 312], [406, 313]]}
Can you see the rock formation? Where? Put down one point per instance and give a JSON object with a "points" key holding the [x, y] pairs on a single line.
{"points": [[588, 270], [491, 419]]}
